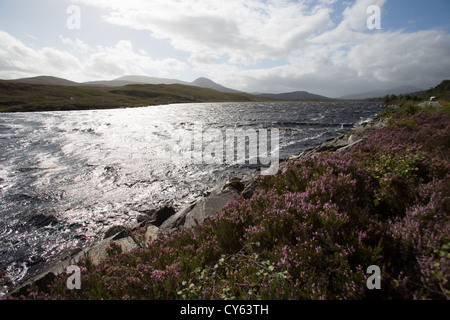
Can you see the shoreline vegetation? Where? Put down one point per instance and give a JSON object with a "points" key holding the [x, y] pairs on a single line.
{"points": [[379, 195], [309, 232]]}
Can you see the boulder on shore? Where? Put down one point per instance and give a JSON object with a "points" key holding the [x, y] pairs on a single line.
{"points": [[211, 204], [156, 217]]}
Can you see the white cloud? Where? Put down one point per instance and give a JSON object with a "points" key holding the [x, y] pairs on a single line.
{"points": [[336, 67], [355, 16], [349, 58], [226, 40], [75, 44], [251, 45], [123, 59], [18, 60], [244, 31], [396, 57]]}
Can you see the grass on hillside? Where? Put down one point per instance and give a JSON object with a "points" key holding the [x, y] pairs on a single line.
{"points": [[18, 97], [441, 92]]}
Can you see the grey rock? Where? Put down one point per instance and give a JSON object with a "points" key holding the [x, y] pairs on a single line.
{"points": [[99, 252], [234, 183], [347, 148], [162, 215], [209, 206], [177, 221], [156, 216], [251, 185], [143, 219], [345, 142], [151, 233], [117, 232], [431, 103]]}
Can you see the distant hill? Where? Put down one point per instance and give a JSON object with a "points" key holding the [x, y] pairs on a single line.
{"points": [[293, 96], [441, 93], [200, 82], [381, 93], [127, 80], [26, 97], [54, 81], [203, 82], [150, 80], [207, 83], [107, 83]]}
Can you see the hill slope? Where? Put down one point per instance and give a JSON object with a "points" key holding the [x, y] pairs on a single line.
{"points": [[381, 93], [150, 80], [33, 97], [207, 83], [126, 80], [48, 80], [441, 92], [292, 96]]}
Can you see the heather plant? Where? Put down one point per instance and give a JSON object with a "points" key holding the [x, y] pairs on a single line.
{"points": [[237, 276], [421, 241], [397, 177], [308, 232]]}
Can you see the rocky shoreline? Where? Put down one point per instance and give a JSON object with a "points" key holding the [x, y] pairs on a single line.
{"points": [[166, 219]]}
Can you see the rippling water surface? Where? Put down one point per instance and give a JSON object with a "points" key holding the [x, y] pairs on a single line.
{"points": [[66, 177]]}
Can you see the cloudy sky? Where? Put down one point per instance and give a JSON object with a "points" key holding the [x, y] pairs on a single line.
{"points": [[325, 46]]}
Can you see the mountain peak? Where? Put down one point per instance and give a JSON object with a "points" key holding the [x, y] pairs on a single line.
{"points": [[203, 79], [208, 83]]}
